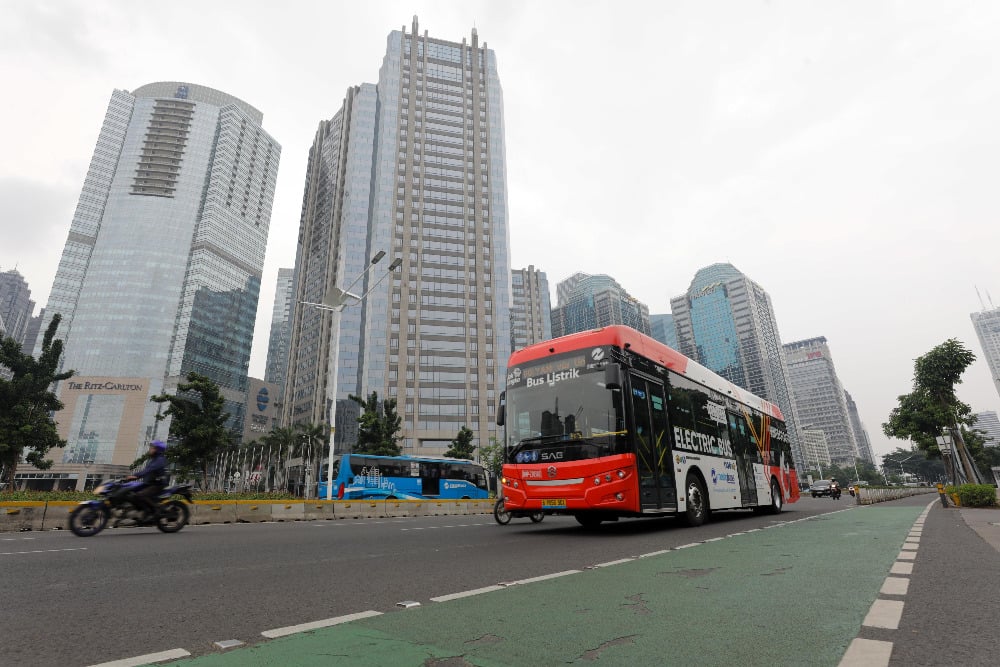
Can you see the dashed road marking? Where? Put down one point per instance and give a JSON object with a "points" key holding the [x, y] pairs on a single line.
{"points": [[40, 551], [172, 654], [884, 614], [867, 652], [315, 625]]}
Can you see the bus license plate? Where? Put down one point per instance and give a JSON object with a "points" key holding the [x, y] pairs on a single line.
{"points": [[560, 504]]}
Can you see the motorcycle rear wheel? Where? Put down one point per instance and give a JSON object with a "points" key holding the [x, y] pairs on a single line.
{"points": [[172, 517], [88, 520]]}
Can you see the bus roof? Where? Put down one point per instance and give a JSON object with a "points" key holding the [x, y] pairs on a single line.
{"points": [[627, 338]]}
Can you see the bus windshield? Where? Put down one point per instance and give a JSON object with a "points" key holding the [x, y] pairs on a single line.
{"points": [[562, 416]]}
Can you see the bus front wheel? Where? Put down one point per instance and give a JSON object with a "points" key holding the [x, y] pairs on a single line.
{"points": [[697, 501]]}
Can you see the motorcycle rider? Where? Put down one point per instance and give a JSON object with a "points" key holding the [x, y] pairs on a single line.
{"points": [[154, 479], [834, 489]]}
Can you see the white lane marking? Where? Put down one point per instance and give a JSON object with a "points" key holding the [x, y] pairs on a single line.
{"points": [[315, 625], [884, 614], [901, 568], [692, 544], [655, 553], [172, 654], [615, 562], [465, 594], [895, 586], [554, 575], [909, 546], [40, 551], [867, 652], [714, 539], [906, 555]]}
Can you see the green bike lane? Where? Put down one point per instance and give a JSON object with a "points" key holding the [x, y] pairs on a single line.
{"points": [[789, 594]]}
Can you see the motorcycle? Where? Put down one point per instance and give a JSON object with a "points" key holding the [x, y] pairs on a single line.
{"points": [[835, 493], [503, 516], [116, 502]]}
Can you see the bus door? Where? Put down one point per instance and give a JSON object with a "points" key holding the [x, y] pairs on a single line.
{"points": [[430, 479], [746, 455], [652, 445]]}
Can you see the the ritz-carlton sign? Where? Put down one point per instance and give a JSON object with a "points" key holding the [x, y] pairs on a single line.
{"points": [[106, 386]]}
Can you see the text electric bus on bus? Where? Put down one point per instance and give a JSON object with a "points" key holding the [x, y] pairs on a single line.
{"points": [[368, 477], [610, 423]]}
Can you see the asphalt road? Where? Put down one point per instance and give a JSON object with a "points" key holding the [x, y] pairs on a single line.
{"points": [[128, 592]]}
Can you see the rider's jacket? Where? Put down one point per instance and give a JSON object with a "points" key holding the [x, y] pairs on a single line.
{"points": [[155, 470]]}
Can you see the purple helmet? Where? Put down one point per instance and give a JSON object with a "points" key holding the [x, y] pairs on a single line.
{"points": [[159, 444]]}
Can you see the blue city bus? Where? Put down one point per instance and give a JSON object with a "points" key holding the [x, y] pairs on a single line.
{"points": [[367, 477]]}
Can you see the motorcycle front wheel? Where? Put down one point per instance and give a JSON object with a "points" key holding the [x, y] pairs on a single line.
{"points": [[500, 513], [88, 520], [172, 517]]}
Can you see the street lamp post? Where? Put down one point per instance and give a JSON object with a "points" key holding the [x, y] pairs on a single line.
{"points": [[335, 301]]}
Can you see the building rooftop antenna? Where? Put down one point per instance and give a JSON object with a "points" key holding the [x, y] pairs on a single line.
{"points": [[981, 303]]}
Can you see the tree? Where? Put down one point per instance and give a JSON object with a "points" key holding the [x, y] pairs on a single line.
{"points": [[198, 430], [379, 426], [907, 461], [27, 402], [461, 446], [932, 407], [491, 456]]}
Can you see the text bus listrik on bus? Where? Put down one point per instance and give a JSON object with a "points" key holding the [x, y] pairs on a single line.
{"points": [[367, 477], [611, 423]]}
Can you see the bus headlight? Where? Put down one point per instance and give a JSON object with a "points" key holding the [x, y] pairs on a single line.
{"points": [[607, 477], [597, 480], [619, 497], [621, 474], [516, 485]]}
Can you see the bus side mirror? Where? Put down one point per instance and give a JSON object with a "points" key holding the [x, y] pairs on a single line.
{"points": [[502, 409], [612, 376]]}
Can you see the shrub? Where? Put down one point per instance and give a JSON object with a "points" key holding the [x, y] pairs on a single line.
{"points": [[976, 495]]}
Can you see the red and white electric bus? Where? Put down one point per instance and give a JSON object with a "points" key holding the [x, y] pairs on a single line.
{"points": [[610, 423]]}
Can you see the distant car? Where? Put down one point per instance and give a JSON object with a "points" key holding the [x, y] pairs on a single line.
{"points": [[820, 487]]}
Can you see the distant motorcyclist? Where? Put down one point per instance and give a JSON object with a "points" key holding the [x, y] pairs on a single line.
{"points": [[154, 479], [834, 489]]}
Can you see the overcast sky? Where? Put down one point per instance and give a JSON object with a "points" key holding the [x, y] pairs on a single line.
{"points": [[841, 154]]}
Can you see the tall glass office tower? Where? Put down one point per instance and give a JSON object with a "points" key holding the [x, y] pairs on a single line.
{"points": [[414, 166], [588, 302], [160, 274], [987, 326], [531, 309], [819, 397], [726, 322]]}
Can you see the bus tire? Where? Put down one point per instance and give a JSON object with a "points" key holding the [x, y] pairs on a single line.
{"points": [[777, 500], [588, 519], [697, 501]]}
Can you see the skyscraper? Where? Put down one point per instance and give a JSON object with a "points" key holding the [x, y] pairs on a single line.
{"points": [[160, 274], [531, 309], [987, 326], [414, 167], [989, 424], [819, 396], [16, 306], [860, 434], [281, 319], [588, 302], [662, 328], [726, 322], [814, 445]]}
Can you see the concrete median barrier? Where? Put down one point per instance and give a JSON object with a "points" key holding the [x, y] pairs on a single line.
{"points": [[213, 511], [870, 496], [253, 512], [347, 509], [57, 514], [288, 511], [313, 510], [21, 516]]}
